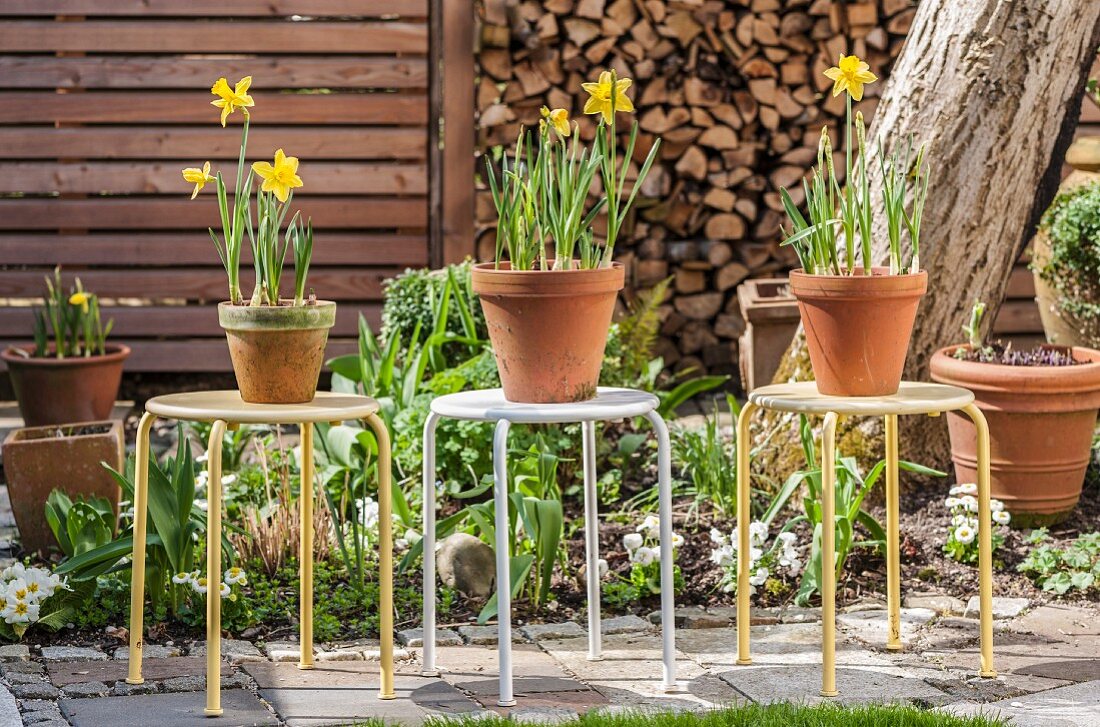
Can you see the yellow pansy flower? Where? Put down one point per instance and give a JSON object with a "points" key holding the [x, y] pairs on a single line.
{"points": [[81, 299], [280, 177], [231, 99], [559, 119], [849, 74], [198, 177], [600, 94]]}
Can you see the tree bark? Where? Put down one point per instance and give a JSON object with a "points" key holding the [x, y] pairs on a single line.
{"points": [[994, 88]]}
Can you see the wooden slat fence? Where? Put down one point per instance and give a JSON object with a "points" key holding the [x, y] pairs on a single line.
{"points": [[102, 102]]}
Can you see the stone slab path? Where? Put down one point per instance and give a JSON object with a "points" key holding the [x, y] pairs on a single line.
{"points": [[1048, 658]]}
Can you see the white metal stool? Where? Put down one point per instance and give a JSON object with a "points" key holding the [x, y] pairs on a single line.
{"points": [[609, 404]]}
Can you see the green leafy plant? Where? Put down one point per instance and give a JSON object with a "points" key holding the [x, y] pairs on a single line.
{"points": [[68, 325], [79, 525], [32, 596], [643, 547], [1075, 567], [1072, 224], [962, 536], [414, 296], [707, 460]]}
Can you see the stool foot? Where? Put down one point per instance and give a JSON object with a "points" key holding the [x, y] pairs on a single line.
{"points": [[305, 667], [212, 712], [595, 658], [895, 647], [135, 681], [833, 693], [744, 662], [389, 696], [674, 688], [506, 702], [429, 673], [991, 674]]}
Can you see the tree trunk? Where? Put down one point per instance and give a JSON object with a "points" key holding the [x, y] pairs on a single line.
{"points": [[994, 88]]}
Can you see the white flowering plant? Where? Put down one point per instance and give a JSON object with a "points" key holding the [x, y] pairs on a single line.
{"points": [[643, 548], [962, 534], [765, 562], [193, 586], [32, 596]]}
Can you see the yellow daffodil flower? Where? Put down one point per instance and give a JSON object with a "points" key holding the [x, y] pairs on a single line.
{"points": [[849, 74], [280, 177], [559, 119], [231, 99], [600, 95], [198, 177], [81, 299]]}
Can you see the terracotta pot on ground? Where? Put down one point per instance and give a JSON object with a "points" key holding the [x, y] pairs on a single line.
{"points": [[38, 460], [1041, 424], [73, 389], [858, 328], [277, 351], [771, 319], [548, 328]]}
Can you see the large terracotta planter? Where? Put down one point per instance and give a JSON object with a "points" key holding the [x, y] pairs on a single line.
{"points": [[548, 328], [74, 389], [1041, 424], [858, 328], [277, 351], [38, 460]]}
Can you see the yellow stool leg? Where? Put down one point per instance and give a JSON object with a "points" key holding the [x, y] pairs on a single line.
{"points": [[744, 616], [385, 556], [985, 542], [893, 536], [305, 549], [214, 570], [828, 556], [137, 569]]}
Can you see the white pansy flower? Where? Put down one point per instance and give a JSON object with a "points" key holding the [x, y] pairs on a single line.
{"points": [[368, 512], [718, 537], [964, 534], [651, 526], [17, 590], [632, 541], [760, 577], [229, 479], [758, 532], [602, 567], [15, 570], [19, 611], [722, 556], [1001, 517], [644, 556], [43, 583]]}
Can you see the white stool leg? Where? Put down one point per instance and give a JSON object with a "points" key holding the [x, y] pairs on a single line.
{"points": [[592, 540], [428, 622], [504, 579], [664, 489]]}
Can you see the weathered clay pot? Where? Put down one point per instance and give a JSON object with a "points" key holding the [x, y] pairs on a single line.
{"points": [[59, 390], [548, 328], [858, 328], [1041, 424], [67, 457], [277, 351], [1084, 157]]}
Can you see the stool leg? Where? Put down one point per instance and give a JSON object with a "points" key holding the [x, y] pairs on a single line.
{"points": [[744, 617], [214, 570], [828, 555], [305, 551], [428, 627], [137, 568], [668, 595], [504, 578], [592, 540], [985, 542], [385, 554], [893, 537]]}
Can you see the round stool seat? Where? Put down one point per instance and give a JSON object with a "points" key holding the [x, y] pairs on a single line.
{"points": [[913, 397], [210, 406], [489, 405]]}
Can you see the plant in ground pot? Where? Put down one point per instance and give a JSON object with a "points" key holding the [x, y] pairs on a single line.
{"points": [[1041, 407], [277, 344], [548, 310], [858, 319], [70, 373]]}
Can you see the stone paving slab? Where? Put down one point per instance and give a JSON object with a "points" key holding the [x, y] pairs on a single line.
{"points": [[802, 683], [776, 645], [872, 627], [1059, 622], [1032, 655], [9, 710], [241, 707], [415, 637], [624, 625], [460, 663], [62, 673], [1076, 705]]}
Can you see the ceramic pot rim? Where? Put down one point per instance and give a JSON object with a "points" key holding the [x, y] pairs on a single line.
{"points": [[1082, 378], [115, 352], [487, 279], [283, 317], [880, 284]]}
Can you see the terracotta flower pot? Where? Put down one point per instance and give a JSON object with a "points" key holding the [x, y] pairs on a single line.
{"points": [[1041, 424], [74, 389], [858, 328], [277, 351], [548, 328]]}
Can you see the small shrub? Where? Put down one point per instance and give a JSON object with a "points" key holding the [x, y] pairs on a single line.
{"points": [[1061, 570], [1073, 224], [764, 562]]}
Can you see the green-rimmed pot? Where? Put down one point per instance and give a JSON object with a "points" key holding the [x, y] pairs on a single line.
{"points": [[277, 351]]}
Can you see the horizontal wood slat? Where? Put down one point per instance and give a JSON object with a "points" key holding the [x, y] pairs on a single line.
{"points": [[200, 36], [154, 72], [212, 142], [166, 214], [114, 107], [1020, 284], [149, 249], [167, 178], [203, 8], [1018, 317]]}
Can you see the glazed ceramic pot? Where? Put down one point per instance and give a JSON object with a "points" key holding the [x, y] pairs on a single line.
{"points": [[1041, 425], [548, 328], [858, 328], [277, 351], [62, 390]]}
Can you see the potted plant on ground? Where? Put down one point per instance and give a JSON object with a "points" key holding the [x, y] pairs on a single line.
{"points": [[277, 344], [1041, 407], [858, 318], [70, 373], [548, 307]]}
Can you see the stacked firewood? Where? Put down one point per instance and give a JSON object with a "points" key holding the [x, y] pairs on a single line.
{"points": [[736, 91]]}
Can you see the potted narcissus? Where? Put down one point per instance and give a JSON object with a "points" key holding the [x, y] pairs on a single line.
{"points": [[70, 373], [277, 343], [858, 317], [549, 295]]}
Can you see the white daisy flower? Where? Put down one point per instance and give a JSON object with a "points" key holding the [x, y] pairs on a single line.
{"points": [[677, 540], [996, 505], [236, 575], [651, 526], [632, 541], [602, 567], [1001, 517], [644, 556], [964, 534], [180, 578]]}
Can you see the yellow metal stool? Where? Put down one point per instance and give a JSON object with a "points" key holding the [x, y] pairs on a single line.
{"points": [[911, 398], [225, 409]]}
